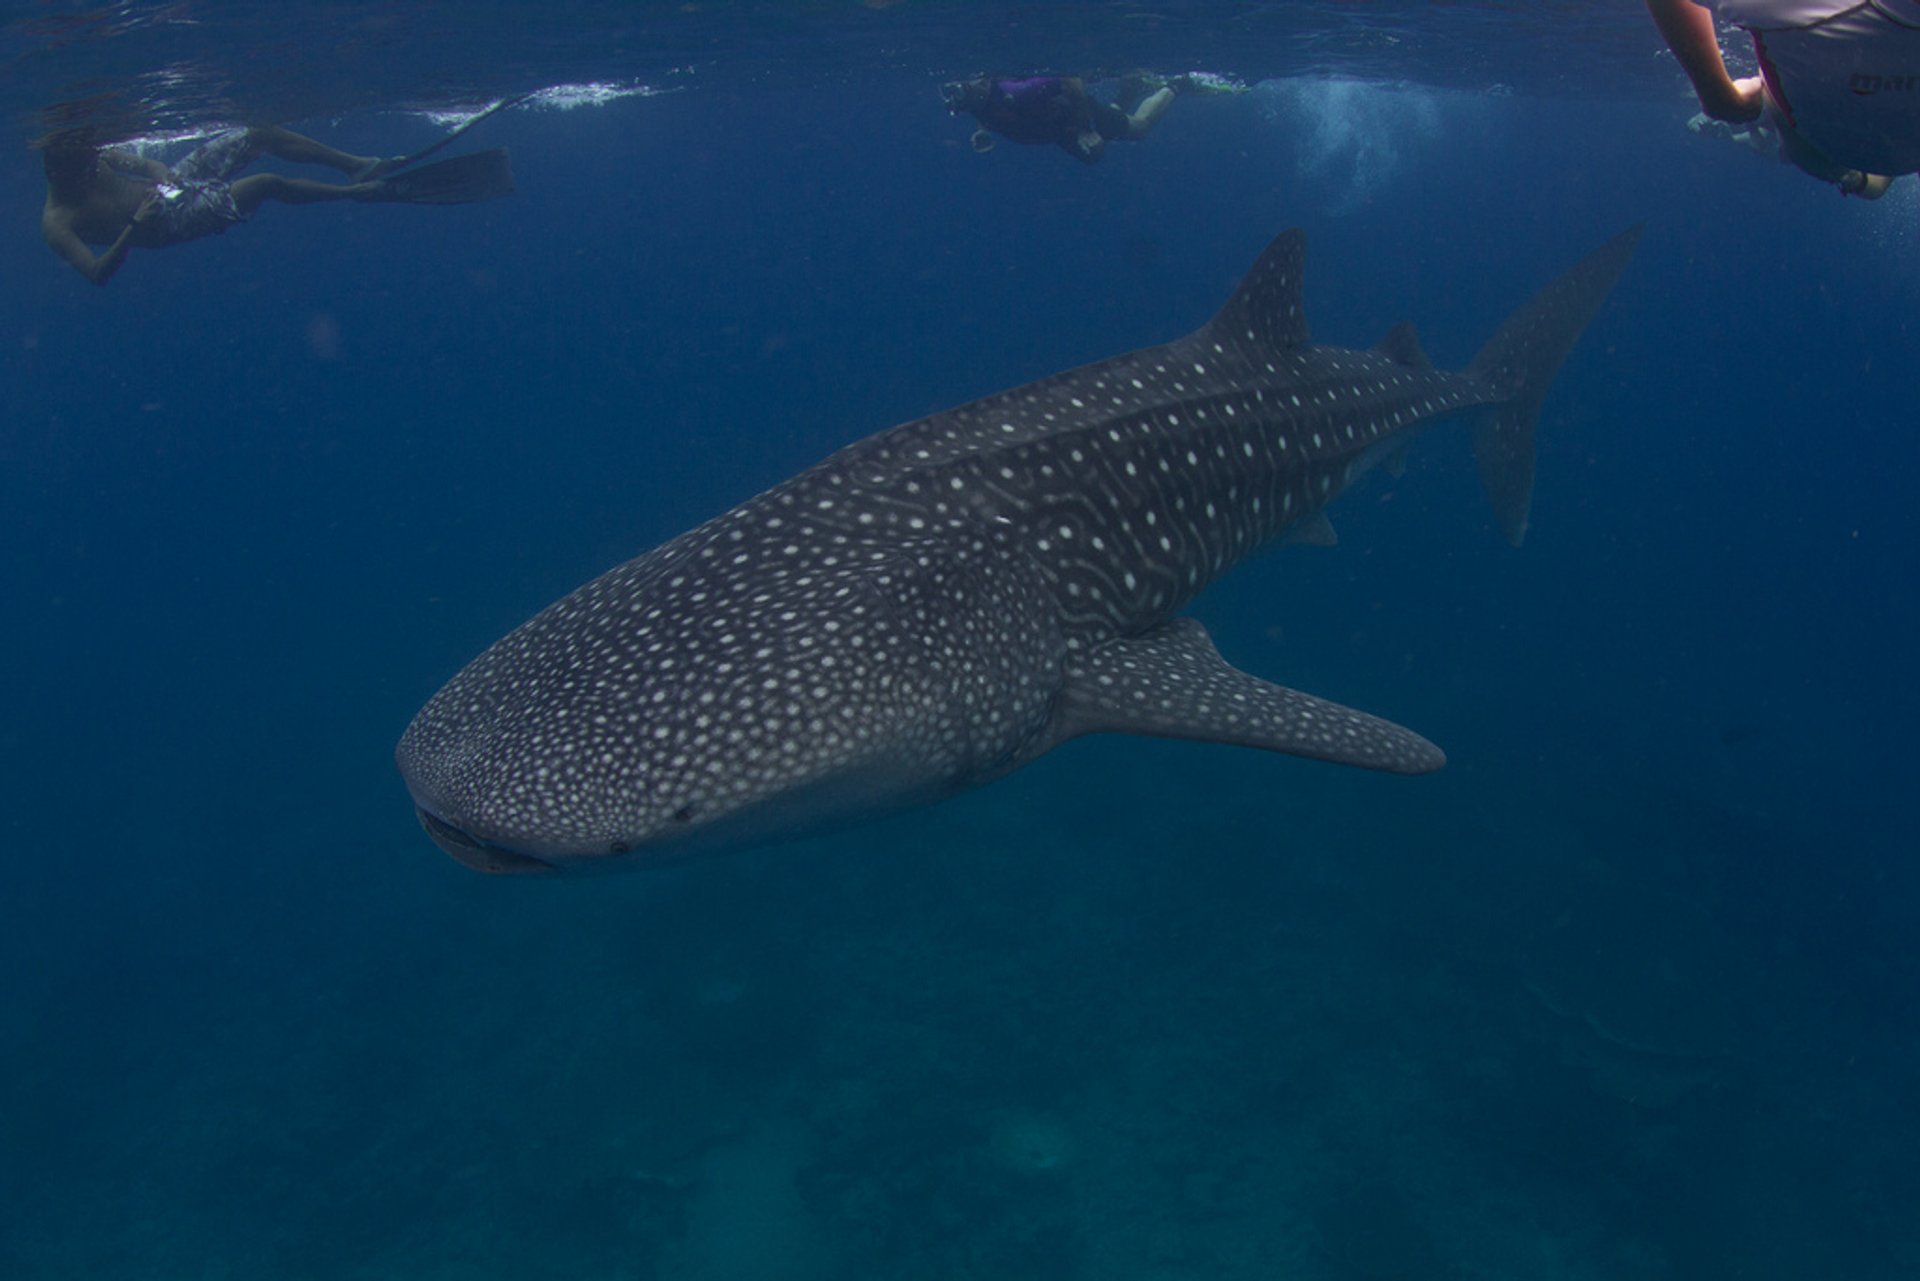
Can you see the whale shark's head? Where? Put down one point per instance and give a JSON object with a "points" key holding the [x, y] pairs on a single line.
{"points": [[724, 690]]}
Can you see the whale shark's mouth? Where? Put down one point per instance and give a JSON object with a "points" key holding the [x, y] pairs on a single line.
{"points": [[480, 855]]}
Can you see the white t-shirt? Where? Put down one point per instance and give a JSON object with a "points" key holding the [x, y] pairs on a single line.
{"points": [[1805, 13], [1844, 76]]}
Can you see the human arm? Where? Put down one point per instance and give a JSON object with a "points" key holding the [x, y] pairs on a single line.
{"points": [[1688, 31], [99, 268]]}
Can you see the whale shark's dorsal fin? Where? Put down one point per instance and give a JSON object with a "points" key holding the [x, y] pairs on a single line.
{"points": [[1170, 682], [1267, 309]]}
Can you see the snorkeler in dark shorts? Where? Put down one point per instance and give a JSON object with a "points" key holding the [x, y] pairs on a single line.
{"points": [[1050, 110], [197, 201], [122, 200]]}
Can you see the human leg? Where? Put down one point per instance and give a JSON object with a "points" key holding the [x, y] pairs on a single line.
{"points": [[302, 150], [1148, 114], [252, 192], [1815, 163], [1136, 87], [1867, 186], [219, 157]]}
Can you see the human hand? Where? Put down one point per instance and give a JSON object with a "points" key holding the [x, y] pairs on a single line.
{"points": [[148, 203]]}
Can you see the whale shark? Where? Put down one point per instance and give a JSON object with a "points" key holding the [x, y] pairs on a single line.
{"points": [[941, 603]]}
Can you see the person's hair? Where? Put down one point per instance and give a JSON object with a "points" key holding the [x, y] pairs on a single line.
{"points": [[68, 158]]}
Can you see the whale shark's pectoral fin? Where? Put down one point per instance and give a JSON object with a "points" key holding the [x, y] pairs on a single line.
{"points": [[1172, 683]]}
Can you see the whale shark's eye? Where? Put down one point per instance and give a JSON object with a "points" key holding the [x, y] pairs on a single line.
{"points": [[684, 814], [618, 847]]}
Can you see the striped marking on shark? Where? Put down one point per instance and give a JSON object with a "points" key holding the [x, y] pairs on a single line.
{"points": [[937, 605]]}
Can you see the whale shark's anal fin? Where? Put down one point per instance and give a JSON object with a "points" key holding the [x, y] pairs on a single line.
{"points": [[1171, 682]]}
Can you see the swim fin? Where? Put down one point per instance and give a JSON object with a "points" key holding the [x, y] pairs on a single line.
{"points": [[463, 180], [386, 167]]}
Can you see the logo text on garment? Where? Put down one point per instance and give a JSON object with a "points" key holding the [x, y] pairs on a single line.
{"points": [[1866, 84]]}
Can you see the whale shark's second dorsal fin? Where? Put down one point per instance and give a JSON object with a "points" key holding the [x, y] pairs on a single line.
{"points": [[1267, 311], [1402, 347]]}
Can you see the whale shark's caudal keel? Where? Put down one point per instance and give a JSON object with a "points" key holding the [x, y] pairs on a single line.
{"points": [[940, 603]]}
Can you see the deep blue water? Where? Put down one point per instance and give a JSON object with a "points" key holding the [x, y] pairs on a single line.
{"points": [[1629, 989]]}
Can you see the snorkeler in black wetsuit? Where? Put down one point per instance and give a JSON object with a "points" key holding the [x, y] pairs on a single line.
{"points": [[1057, 111]]}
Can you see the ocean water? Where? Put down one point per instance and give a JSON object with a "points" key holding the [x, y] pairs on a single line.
{"points": [[1628, 989]]}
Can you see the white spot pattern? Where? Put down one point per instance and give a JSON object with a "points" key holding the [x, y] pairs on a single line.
{"points": [[900, 620]]}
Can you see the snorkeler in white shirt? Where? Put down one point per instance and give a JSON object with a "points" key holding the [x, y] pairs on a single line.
{"points": [[1839, 82]]}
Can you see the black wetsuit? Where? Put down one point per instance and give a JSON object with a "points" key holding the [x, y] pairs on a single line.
{"points": [[1049, 109]]}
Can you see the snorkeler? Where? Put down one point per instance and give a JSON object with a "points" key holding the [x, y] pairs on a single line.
{"points": [[116, 198], [1058, 111], [1839, 82]]}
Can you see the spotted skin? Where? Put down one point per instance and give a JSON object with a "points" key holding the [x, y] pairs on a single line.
{"points": [[939, 604]]}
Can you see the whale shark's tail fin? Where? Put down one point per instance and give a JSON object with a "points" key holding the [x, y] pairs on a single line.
{"points": [[1518, 364]]}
